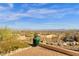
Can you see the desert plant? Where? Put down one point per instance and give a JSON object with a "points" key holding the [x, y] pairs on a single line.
{"points": [[9, 42]]}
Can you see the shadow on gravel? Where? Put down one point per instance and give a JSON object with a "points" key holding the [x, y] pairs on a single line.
{"points": [[32, 45]]}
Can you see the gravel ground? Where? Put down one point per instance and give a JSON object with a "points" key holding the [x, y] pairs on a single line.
{"points": [[37, 51]]}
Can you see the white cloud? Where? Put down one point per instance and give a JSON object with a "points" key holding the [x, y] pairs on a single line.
{"points": [[2, 8], [51, 13], [11, 5], [45, 13], [42, 11], [39, 13], [6, 8], [34, 5], [36, 13], [9, 16]]}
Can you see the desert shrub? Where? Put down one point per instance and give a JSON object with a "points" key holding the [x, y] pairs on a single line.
{"points": [[5, 34], [9, 42], [10, 45]]}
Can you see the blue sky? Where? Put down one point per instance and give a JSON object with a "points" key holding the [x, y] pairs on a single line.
{"points": [[39, 16]]}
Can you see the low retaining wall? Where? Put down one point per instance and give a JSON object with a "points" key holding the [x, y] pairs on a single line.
{"points": [[60, 49]]}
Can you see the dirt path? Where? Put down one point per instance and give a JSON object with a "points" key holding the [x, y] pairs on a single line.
{"points": [[38, 51]]}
